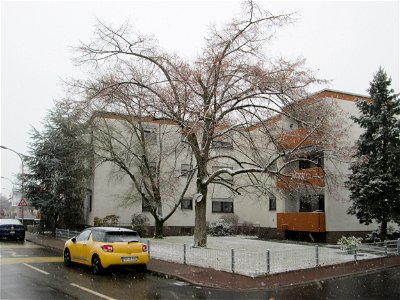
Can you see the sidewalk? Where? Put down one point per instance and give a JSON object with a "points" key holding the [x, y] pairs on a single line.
{"points": [[219, 279]]}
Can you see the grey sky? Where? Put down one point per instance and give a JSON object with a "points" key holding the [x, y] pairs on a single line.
{"points": [[345, 41]]}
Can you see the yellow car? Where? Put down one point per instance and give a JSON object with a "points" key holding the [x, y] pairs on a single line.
{"points": [[103, 247]]}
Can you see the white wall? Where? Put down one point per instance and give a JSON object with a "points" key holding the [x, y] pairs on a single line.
{"points": [[249, 207]]}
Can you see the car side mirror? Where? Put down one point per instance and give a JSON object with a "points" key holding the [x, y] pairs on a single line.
{"points": [[73, 240]]}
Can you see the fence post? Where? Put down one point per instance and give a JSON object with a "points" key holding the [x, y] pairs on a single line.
{"points": [[148, 246], [268, 262], [233, 260], [316, 256], [386, 248], [355, 253], [398, 246], [184, 254]]}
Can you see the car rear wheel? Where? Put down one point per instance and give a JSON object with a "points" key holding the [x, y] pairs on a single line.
{"points": [[97, 268], [141, 268], [67, 257]]}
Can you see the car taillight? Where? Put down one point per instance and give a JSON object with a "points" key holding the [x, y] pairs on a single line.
{"points": [[107, 248], [144, 248]]}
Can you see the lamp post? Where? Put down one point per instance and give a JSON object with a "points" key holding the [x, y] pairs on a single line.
{"points": [[22, 174]]}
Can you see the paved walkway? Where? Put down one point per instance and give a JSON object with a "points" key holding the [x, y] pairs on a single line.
{"points": [[219, 279]]}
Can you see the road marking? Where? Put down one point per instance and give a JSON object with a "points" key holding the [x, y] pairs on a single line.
{"points": [[92, 292], [36, 269], [13, 254], [21, 260]]}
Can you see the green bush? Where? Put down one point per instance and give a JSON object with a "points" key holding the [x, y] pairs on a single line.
{"points": [[139, 222], [220, 228], [232, 219], [110, 220]]}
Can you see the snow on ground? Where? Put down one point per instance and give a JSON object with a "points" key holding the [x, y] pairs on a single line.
{"points": [[251, 256]]}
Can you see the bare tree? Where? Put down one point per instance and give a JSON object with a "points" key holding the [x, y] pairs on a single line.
{"points": [[145, 149], [229, 90]]}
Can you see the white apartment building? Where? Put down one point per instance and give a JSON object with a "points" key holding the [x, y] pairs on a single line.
{"points": [[312, 203]]}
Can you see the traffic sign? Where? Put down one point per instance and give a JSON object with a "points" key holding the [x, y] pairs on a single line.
{"points": [[22, 202]]}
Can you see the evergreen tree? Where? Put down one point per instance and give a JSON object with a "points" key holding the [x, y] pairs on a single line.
{"points": [[375, 180], [58, 171]]}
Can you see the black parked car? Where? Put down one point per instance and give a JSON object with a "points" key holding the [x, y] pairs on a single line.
{"points": [[12, 229]]}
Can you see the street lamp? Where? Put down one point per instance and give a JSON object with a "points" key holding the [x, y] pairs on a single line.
{"points": [[22, 174]]}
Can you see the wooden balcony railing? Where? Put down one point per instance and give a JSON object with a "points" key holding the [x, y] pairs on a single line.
{"points": [[312, 177], [298, 138], [301, 221]]}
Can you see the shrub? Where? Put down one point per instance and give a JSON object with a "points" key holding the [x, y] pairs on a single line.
{"points": [[220, 228], [232, 219], [248, 228], [139, 222], [110, 220], [349, 243]]}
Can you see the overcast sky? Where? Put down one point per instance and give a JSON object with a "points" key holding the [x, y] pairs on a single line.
{"points": [[345, 41]]}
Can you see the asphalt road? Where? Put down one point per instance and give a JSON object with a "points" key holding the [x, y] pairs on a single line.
{"points": [[29, 271]]}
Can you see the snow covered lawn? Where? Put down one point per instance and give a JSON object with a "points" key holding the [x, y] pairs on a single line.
{"points": [[251, 257]]}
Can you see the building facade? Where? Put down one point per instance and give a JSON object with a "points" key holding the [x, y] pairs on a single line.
{"points": [[304, 196]]}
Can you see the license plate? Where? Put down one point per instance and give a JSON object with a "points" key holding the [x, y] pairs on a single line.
{"points": [[129, 258], [12, 232]]}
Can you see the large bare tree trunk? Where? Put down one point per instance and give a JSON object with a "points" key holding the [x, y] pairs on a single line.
{"points": [[200, 229], [159, 229]]}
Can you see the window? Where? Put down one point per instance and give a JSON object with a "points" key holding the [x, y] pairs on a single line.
{"points": [[121, 236], [305, 204], [84, 236], [222, 205], [312, 161], [272, 202], [145, 206], [187, 203], [98, 236], [321, 202], [186, 169], [222, 145], [312, 203], [150, 135], [223, 176]]}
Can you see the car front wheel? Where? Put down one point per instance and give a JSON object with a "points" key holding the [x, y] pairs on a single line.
{"points": [[67, 257], [97, 268]]}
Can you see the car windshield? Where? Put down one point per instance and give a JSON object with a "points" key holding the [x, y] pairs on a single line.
{"points": [[10, 222], [112, 237]]}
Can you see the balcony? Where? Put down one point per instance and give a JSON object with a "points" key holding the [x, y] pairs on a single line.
{"points": [[298, 138], [311, 177], [301, 221]]}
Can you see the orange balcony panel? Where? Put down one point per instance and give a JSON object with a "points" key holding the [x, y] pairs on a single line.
{"points": [[313, 177], [300, 137], [301, 221]]}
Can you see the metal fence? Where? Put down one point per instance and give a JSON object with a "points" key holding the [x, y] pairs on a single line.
{"points": [[258, 263], [66, 234], [261, 262]]}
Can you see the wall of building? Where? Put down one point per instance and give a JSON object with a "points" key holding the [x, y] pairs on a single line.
{"points": [[337, 199], [253, 206]]}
